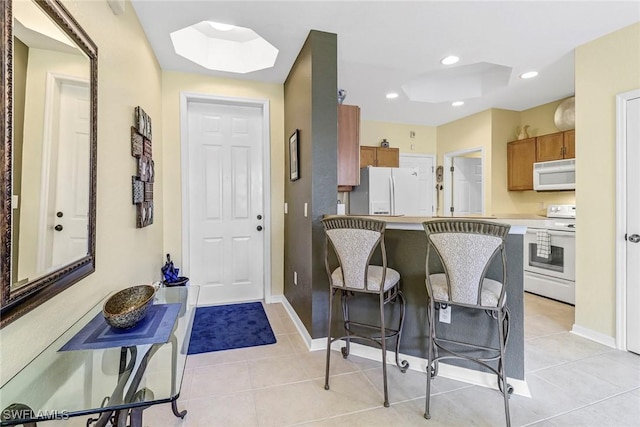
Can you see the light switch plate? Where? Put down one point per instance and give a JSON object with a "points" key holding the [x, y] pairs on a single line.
{"points": [[445, 314]]}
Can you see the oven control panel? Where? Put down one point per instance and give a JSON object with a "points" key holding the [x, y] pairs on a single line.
{"points": [[561, 211]]}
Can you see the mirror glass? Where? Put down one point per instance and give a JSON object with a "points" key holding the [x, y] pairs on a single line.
{"points": [[49, 153]]}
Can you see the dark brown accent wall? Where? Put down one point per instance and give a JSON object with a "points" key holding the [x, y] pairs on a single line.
{"points": [[310, 98]]}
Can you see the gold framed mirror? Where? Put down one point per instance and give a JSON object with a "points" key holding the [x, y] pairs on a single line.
{"points": [[49, 72]]}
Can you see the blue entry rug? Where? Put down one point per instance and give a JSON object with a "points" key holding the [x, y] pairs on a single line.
{"points": [[224, 327]]}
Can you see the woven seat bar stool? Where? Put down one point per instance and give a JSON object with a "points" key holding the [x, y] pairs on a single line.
{"points": [[354, 241], [465, 249]]}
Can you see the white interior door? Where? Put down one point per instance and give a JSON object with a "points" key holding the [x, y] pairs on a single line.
{"points": [[633, 224], [426, 185], [68, 211], [226, 215], [467, 185]]}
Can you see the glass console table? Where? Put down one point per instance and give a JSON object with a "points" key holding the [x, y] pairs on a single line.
{"points": [[107, 385]]}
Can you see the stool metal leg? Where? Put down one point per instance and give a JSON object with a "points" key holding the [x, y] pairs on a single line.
{"points": [[328, 361], [403, 365], [383, 343], [503, 376], [431, 317], [345, 316]]}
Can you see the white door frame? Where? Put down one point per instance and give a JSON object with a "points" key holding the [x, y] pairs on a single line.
{"points": [[185, 98], [447, 163], [434, 198], [621, 216], [51, 104]]}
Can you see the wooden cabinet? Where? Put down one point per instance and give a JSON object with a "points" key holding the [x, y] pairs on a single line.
{"points": [[520, 158], [556, 146], [348, 147], [522, 154], [380, 157]]}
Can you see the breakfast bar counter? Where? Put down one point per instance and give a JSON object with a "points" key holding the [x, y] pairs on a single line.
{"points": [[406, 247]]}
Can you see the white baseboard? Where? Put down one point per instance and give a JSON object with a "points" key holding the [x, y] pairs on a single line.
{"points": [[483, 379], [594, 336]]}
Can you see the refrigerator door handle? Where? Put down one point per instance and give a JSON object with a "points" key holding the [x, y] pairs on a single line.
{"points": [[392, 191]]}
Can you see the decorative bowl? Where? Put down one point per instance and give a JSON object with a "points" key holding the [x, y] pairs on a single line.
{"points": [[124, 309]]}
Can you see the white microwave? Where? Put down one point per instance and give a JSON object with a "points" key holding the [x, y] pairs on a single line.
{"points": [[555, 175]]}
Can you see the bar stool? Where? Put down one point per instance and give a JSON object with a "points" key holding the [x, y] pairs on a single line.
{"points": [[354, 241], [465, 248]]}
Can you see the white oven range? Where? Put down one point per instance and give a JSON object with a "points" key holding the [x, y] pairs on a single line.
{"points": [[549, 255]]}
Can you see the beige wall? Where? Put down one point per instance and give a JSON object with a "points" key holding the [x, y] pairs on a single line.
{"points": [[399, 136], [604, 68], [469, 132], [503, 125], [128, 76], [173, 84], [540, 119]]}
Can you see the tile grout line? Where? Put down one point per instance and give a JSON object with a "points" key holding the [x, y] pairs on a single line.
{"points": [[580, 407]]}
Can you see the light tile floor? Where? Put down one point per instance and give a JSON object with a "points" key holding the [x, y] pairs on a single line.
{"points": [[574, 382]]}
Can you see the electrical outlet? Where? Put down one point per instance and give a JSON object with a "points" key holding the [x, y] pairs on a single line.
{"points": [[295, 278], [445, 314]]}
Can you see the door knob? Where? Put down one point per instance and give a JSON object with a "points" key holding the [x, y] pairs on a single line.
{"points": [[259, 216], [59, 214], [58, 227], [634, 238], [259, 228]]}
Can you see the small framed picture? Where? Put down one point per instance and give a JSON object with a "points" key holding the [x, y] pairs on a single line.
{"points": [[144, 214], [143, 123], [138, 190], [144, 168], [136, 143], [146, 148], [294, 159], [148, 192]]}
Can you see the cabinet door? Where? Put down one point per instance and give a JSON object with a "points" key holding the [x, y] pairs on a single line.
{"points": [[348, 145], [570, 144], [550, 147], [520, 158], [367, 156], [388, 157]]}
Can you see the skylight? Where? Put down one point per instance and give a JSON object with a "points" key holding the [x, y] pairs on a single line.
{"points": [[224, 47]]}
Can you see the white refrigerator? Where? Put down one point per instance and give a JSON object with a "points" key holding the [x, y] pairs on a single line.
{"points": [[386, 191]]}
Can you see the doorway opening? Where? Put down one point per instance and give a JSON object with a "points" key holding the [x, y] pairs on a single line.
{"points": [[464, 182]]}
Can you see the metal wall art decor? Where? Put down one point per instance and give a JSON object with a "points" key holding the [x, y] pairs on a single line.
{"points": [[294, 158], [142, 183]]}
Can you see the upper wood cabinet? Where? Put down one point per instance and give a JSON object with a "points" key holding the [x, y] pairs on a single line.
{"points": [[520, 158], [380, 157], [556, 146], [522, 154], [348, 146]]}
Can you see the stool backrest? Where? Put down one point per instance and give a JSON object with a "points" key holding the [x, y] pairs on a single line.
{"points": [[354, 241], [465, 248]]}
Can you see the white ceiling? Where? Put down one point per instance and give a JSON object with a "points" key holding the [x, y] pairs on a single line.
{"points": [[383, 45]]}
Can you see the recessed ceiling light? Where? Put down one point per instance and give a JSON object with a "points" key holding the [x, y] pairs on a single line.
{"points": [[457, 103], [529, 75], [451, 59], [220, 26], [392, 95]]}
